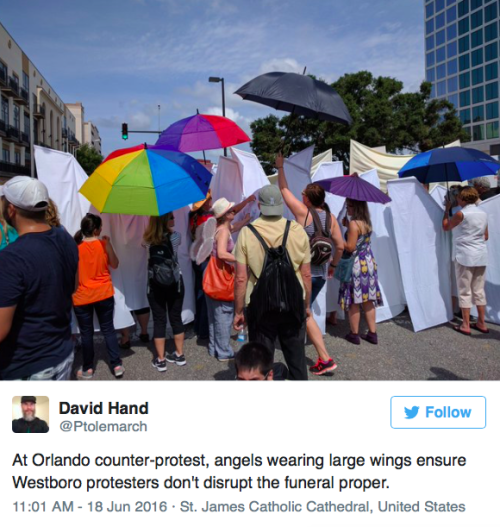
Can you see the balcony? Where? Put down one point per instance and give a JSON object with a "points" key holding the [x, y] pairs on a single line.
{"points": [[13, 134], [11, 88], [25, 139], [10, 169], [39, 111], [65, 133], [3, 129], [72, 138], [24, 97]]}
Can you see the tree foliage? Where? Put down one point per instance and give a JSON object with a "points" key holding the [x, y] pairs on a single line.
{"points": [[383, 115], [89, 158]]}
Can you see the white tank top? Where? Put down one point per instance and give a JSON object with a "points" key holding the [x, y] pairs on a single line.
{"points": [[470, 245]]}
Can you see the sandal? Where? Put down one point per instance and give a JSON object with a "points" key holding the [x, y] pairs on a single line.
{"points": [[458, 329], [476, 327]]}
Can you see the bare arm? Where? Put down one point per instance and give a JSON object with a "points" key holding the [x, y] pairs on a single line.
{"points": [[486, 234], [238, 225], [352, 236], [299, 210], [222, 239], [6, 319], [337, 240], [305, 272], [451, 223], [112, 258], [243, 204], [240, 287]]}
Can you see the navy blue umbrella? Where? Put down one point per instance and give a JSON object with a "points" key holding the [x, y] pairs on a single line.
{"points": [[450, 164]]}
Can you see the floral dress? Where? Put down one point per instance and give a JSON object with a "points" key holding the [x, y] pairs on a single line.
{"points": [[363, 286]]}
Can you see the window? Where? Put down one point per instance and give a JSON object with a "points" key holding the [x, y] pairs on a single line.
{"points": [[452, 84], [440, 38], [492, 130], [478, 95], [453, 99], [490, 52], [441, 54], [26, 124], [476, 19], [464, 80], [476, 38], [491, 91], [17, 157], [3, 70], [463, 26], [440, 21], [478, 113], [433, 91], [463, 44], [451, 14], [26, 81], [452, 67], [477, 76], [429, 43], [451, 32], [464, 62], [431, 75], [477, 57], [465, 116], [429, 26], [465, 98], [450, 2], [490, 32], [492, 110], [452, 49], [441, 88], [474, 4], [491, 71], [5, 155], [463, 8], [439, 5], [429, 10], [490, 12], [17, 117], [441, 71], [4, 116], [430, 59], [478, 132]]}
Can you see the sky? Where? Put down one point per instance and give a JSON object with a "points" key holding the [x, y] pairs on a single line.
{"points": [[123, 58]]}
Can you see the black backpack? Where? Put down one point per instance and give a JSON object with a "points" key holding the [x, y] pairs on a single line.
{"points": [[163, 267], [278, 289], [321, 243]]}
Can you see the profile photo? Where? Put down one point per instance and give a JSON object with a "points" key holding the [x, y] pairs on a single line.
{"points": [[30, 414]]}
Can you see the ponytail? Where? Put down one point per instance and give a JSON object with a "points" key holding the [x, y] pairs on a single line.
{"points": [[89, 224], [78, 237]]}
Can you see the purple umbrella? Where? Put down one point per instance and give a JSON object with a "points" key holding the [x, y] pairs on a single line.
{"points": [[353, 187]]}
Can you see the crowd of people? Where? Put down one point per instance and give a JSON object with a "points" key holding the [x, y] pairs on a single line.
{"points": [[262, 275]]}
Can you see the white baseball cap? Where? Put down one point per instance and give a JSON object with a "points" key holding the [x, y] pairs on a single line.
{"points": [[26, 193]]}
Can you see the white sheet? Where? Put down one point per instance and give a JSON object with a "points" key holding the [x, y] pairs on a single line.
{"points": [[438, 194], [424, 253]]}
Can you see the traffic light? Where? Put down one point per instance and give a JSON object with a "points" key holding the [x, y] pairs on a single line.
{"points": [[124, 131]]}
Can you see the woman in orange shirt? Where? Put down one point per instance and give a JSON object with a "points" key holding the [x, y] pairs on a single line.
{"points": [[95, 293]]}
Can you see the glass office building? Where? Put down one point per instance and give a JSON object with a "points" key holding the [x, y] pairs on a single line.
{"points": [[462, 61]]}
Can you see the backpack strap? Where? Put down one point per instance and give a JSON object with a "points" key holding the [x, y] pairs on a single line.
{"points": [[285, 236], [318, 228], [328, 224], [259, 237]]}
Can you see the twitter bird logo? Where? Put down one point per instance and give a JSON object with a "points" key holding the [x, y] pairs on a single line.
{"points": [[411, 414]]}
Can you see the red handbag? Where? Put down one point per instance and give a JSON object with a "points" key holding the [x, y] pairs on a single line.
{"points": [[218, 281]]}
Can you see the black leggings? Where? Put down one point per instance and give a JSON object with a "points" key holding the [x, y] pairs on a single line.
{"points": [[162, 299]]}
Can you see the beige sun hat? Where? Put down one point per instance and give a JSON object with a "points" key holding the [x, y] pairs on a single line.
{"points": [[221, 206]]}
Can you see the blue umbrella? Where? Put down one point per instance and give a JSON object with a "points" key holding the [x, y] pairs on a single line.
{"points": [[450, 164]]}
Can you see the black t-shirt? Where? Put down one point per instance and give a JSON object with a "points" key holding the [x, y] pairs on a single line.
{"points": [[37, 426], [37, 274]]}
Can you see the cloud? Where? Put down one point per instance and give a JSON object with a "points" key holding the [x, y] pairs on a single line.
{"points": [[288, 65]]}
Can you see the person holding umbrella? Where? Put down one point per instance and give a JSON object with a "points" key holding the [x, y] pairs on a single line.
{"points": [[313, 203], [471, 257], [361, 287]]}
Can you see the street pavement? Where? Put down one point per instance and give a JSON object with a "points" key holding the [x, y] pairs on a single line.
{"points": [[435, 354]]}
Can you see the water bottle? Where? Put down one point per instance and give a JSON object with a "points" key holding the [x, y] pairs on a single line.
{"points": [[242, 338]]}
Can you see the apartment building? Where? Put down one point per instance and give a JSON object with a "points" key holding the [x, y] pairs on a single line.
{"points": [[462, 59], [86, 131]]}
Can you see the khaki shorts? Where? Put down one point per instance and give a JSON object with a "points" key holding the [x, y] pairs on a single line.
{"points": [[470, 283]]}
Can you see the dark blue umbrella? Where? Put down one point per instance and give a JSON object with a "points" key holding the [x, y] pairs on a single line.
{"points": [[450, 164]]}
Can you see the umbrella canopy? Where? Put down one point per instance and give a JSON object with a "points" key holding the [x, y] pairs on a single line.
{"points": [[353, 187], [146, 181], [202, 132], [450, 164], [298, 94]]}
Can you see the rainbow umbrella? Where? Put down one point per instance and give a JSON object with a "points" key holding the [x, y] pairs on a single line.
{"points": [[202, 132], [146, 181]]}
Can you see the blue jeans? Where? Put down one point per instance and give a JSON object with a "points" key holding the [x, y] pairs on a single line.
{"points": [[61, 372], [85, 316], [317, 285], [220, 323], [201, 315]]}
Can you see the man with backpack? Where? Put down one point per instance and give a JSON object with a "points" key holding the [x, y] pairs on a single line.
{"points": [[273, 279]]}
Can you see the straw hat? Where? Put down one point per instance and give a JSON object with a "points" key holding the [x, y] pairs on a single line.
{"points": [[221, 206], [197, 206]]}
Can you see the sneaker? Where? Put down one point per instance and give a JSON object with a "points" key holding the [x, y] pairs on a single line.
{"points": [[370, 337], [225, 359], [180, 360], [322, 367], [353, 338], [119, 371], [85, 375], [160, 365]]}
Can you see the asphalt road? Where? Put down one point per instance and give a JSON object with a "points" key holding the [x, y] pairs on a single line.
{"points": [[435, 354]]}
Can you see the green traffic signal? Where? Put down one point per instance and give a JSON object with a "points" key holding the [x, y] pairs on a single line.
{"points": [[124, 131]]}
